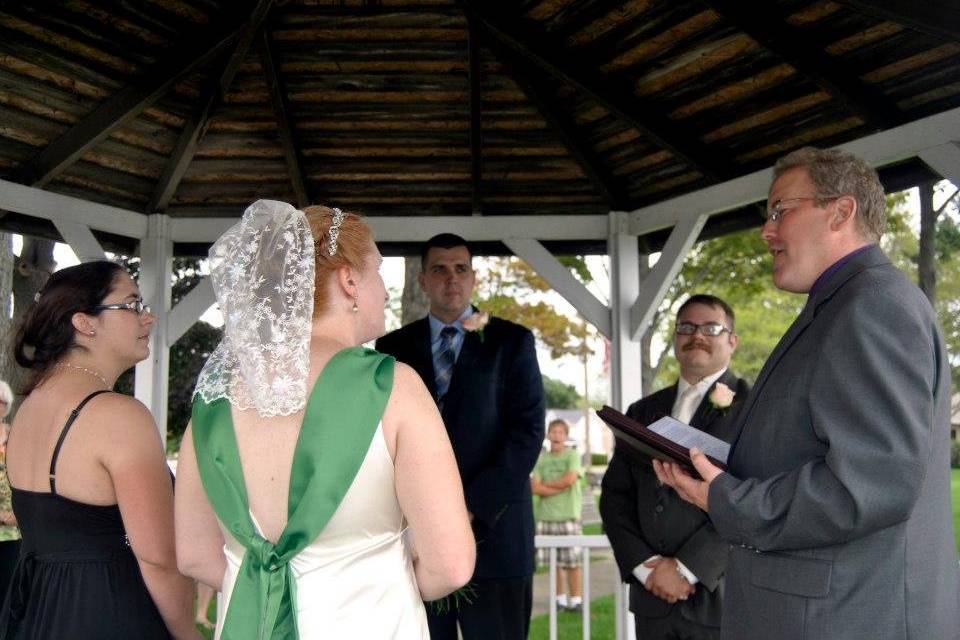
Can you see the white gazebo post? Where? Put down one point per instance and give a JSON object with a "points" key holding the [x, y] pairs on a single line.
{"points": [[626, 383], [156, 263]]}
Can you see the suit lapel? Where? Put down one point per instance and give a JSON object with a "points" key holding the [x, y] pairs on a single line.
{"points": [[706, 414], [869, 258], [795, 331], [422, 357], [469, 352], [669, 399]]}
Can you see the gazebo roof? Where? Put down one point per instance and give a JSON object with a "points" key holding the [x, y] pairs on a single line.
{"points": [[195, 108]]}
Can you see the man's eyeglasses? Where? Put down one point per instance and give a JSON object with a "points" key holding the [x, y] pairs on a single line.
{"points": [[136, 306], [777, 209], [712, 329]]}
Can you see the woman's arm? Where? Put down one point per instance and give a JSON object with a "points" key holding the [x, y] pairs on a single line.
{"points": [[429, 488], [134, 457], [199, 539]]}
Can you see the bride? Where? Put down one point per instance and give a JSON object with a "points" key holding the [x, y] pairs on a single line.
{"points": [[308, 456]]}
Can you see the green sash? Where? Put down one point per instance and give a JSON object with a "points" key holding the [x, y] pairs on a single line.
{"points": [[340, 419]]}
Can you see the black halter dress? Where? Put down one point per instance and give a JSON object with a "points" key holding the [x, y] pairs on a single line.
{"points": [[76, 576]]}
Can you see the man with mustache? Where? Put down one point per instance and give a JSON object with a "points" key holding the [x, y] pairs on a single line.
{"points": [[836, 498], [484, 375], [667, 550]]}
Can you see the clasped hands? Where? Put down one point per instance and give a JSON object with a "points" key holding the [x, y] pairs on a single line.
{"points": [[687, 487], [665, 580]]}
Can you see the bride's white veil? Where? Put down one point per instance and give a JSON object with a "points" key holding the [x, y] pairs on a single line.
{"points": [[262, 270]]}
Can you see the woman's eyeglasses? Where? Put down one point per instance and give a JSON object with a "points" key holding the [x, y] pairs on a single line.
{"points": [[136, 306]]}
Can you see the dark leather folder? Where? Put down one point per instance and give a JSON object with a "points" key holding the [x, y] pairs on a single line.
{"points": [[647, 443]]}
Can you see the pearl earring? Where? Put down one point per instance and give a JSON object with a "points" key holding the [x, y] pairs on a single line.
{"points": [[355, 309]]}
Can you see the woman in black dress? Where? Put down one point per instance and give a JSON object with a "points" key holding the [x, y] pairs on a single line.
{"points": [[91, 490]]}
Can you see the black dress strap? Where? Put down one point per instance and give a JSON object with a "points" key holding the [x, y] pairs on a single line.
{"points": [[63, 435]]}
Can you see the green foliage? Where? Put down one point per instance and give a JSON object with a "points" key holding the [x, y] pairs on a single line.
{"points": [[560, 395], [599, 460], [504, 289]]}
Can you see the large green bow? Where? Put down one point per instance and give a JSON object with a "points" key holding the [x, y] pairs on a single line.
{"points": [[340, 419]]}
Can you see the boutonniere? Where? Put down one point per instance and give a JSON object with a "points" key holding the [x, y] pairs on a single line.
{"points": [[476, 322], [721, 397]]}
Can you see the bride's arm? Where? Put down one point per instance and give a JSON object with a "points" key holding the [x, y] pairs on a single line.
{"points": [[199, 539], [428, 487]]}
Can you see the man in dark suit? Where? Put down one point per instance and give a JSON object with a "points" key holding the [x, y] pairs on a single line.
{"points": [[666, 548], [486, 381], [837, 494]]}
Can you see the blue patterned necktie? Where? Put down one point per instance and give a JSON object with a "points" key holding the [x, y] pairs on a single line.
{"points": [[444, 360]]}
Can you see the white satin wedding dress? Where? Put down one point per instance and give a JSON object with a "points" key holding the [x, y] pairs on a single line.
{"points": [[356, 580]]}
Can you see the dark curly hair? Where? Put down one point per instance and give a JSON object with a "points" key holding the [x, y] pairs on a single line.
{"points": [[46, 332]]}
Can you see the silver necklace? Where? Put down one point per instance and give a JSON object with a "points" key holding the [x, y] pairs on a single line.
{"points": [[95, 374]]}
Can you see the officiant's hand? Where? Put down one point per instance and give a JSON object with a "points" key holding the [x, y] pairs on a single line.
{"points": [[665, 580], [687, 487]]}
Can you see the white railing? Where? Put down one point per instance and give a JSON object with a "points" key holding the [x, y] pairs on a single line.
{"points": [[623, 619]]}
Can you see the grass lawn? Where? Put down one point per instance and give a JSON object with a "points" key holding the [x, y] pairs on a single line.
{"points": [[569, 625]]}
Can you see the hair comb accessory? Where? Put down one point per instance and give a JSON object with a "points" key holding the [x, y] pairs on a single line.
{"points": [[334, 231]]}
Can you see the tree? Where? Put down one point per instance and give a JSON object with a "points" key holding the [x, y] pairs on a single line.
{"points": [[7, 264], [736, 268], [509, 288], [940, 253], [31, 271], [414, 303], [560, 395]]}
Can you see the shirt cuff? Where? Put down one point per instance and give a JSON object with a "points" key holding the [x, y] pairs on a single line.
{"points": [[686, 573], [642, 572]]}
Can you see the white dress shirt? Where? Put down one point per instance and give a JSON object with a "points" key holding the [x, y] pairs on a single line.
{"points": [[643, 572]]}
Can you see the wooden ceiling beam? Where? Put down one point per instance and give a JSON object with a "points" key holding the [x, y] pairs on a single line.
{"points": [[278, 98], [807, 55], [613, 91], [210, 97], [937, 18], [175, 63], [564, 126], [476, 112]]}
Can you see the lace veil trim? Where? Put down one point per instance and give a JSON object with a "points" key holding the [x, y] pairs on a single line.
{"points": [[262, 270]]}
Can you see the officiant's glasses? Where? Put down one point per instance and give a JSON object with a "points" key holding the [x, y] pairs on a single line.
{"points": [[712, 329], [777, 209]]}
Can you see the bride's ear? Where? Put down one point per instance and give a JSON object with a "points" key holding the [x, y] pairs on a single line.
{"points": [[348, 279]]}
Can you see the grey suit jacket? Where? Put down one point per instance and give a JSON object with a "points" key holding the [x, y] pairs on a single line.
{"points": [[837, 498], [642, 518]]}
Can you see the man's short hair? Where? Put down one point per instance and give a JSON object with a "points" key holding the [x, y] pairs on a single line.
{"points": [[839, 173], [443, 241], [711, 301]]}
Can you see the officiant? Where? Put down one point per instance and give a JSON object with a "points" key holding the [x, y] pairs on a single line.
{"points": [[665, 548]]}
